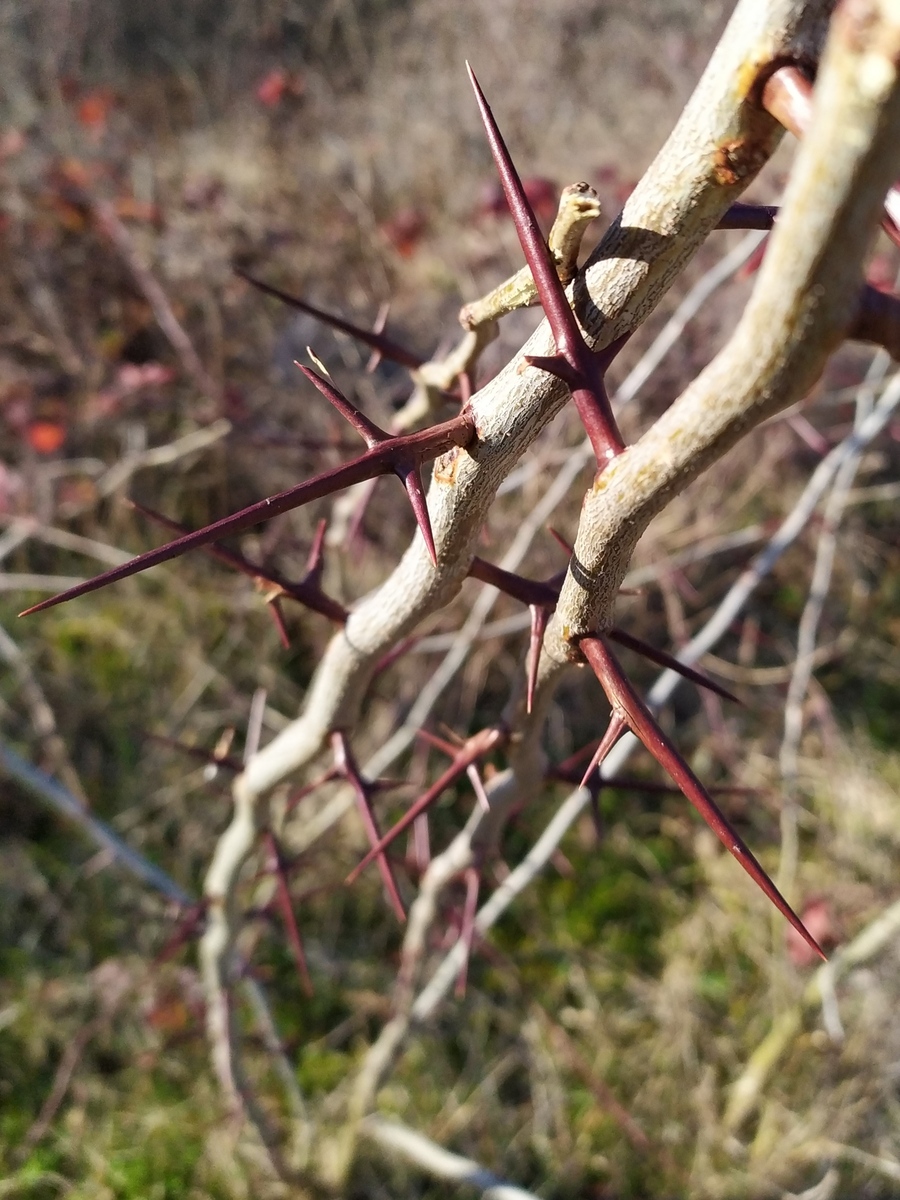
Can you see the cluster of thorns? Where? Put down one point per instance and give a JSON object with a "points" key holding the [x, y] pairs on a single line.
{"points": [[550, 266]]}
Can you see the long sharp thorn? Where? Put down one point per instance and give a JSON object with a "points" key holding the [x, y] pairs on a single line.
{"points": [[288, 915], [561, 541], [539, 618], [375, 339], [371, 434], [427, 443], [614, 730], [412, 481], [537, 253], [210, 757], [663, 659], [527, 590], [308, 592], [788, 97], [439, 743], [590, 396], [421, 805], [376, 461], [274, 606], [347, 764], [384, 867], [301, 793], [644, 725]]}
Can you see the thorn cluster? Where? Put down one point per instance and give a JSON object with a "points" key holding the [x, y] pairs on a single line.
{"points": [[464, 758], [402, 454], [271, 584], [786, 95]]}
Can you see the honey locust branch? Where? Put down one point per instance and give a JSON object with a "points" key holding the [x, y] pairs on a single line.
{"points": [[717, 147]]}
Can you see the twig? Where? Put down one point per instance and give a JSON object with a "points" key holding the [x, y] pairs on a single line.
{"points": [[747, 1088], [67, 805], [161, 456], [113, 227], [807, 630], [391, 1135]]}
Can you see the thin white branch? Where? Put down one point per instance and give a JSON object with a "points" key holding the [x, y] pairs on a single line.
{"points": [[391, 1135], [47, 789]]}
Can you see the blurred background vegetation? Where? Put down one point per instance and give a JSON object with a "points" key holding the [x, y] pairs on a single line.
{"points": [[334, 148]]}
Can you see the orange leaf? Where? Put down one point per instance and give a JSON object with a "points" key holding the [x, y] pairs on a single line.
{"points": [[94, 108], [46, 437]]}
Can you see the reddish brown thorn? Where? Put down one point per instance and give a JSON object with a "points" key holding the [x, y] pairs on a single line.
{"points": [[307, 593], [467, 927], [372, 434], [188, 926], [374, 338], [662, 659], [517, 586], [539, 618], [286, 908], [412, 481], [418, 447], [587, 386], [452, 750], [346, 764], [396, 652], [614, 730], [296, 797], [554, 364], [473, 749], [407, 472], [541, 599], [567, 547], [210, 757], [788, 97], [749, 216], [627, 704], [275, 610]]}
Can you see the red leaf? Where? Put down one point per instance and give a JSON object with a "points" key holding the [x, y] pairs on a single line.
{"points": [[271, 91]]}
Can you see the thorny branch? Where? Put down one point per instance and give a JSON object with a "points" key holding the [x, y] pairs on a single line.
{"points": [[807, 298]]}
